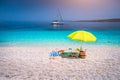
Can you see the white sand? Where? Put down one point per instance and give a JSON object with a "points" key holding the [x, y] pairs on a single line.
{"points": [[32, 63]]}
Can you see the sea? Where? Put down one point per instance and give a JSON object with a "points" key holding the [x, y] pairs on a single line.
{"points": [[45, 34]]}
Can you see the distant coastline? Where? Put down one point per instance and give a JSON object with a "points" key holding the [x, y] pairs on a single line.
{"points": [[101, 20]]}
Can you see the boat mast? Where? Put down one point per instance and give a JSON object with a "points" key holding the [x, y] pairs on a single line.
{"points": [[59, 15]]}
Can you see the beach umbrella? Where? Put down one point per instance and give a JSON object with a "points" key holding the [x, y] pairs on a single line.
{"points": [[83, 36]]}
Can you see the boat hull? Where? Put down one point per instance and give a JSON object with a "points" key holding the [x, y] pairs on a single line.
{"points": [[57, 23]]}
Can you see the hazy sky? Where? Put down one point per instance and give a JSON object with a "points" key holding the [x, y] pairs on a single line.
{"points": [[45, 10]]}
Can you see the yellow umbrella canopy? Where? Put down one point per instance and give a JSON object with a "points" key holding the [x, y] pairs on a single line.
{"points": [[83, 36]]}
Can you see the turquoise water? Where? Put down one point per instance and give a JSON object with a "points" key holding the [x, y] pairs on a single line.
{"points": [[44, 37], [107, 33]]}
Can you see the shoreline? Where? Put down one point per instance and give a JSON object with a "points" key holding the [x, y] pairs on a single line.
{"points": [[56, 44]]}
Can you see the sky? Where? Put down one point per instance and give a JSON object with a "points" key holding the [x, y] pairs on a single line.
{"points": [[46, 10]]}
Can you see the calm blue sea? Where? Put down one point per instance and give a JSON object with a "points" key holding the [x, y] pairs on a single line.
{"points": [[19, 33]]}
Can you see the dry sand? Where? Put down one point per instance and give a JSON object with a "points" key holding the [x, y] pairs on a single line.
{"points": [[33, 63]]}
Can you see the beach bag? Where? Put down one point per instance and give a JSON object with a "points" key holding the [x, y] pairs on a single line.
{"points": [[54, 53]]}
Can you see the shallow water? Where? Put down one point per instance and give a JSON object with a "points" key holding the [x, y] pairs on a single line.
{"points": [[46, 34]]}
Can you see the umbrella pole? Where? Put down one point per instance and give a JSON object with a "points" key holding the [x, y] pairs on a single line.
{"points": [[81, 46]]}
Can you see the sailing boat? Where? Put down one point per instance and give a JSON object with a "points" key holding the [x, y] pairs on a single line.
{"points": [[59, 20]]}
